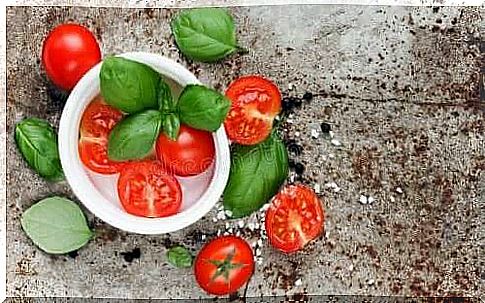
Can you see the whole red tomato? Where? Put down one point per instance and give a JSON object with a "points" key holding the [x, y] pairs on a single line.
{"points": [[191, 154], [224, 265], [69, 51]]}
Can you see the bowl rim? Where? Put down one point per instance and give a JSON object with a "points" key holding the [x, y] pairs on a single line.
{"points": [[84, 91]]}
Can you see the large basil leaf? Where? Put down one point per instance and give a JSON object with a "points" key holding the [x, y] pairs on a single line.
{"points": [[166, 102], [179, 257], [37, 142], [56, 225], [257, 173], [202, 108], [171, 126], [205, 34], [134, 136], [128, 85]]}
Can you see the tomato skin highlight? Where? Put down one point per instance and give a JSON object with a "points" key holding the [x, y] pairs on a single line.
{"points": [[240, 265], [68, 52], [97, 121], [146, 190], [255, 102], [191, 154], [294, 218]]}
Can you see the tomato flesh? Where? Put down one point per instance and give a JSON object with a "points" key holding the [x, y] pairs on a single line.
{"points": [[191, 154], [146, 190], [255, 102], [224, 265], [68, 52], [294, 218], [98, 120]]}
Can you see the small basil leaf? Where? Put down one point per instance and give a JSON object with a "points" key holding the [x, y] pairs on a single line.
{"points": [[257, 172], [166, 103], [37, 142], [56, 225], [134, 136], [202, 108], [205, 34], [128, 85], [171, 126], [179, 257]]}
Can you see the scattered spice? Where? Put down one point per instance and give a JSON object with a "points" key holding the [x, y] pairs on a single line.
{"points": [[129, 256], [325, 127]]}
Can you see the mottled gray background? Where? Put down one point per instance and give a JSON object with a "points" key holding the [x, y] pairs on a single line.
{"points": [[400, 87]]}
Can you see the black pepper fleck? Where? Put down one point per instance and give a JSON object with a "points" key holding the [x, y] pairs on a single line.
{"points": [[325, 127], [307, 96], [73, 254], [299, 168], [294, 147], [129, 256]]}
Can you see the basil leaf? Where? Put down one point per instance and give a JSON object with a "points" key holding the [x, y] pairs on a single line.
{"points": [[257, 173], [56, 225], [202, 108], [205, 34], [171, 126], [133, 137], [179, 257], [37, 142], [166, 103], [128, 85]]}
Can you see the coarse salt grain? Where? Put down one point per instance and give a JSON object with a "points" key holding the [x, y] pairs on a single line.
{"points": [[230, 230], [316, 188], [258, 252], [315, 134], [392, 199], [399, 190], [240, 224], [298, 282], [251, 226], [265, 207], [256, 226], [331, 134], [335, 142], [260, 242], [221, 215], [228, 213], [370, 282], [203, 237], [370, 200], [227, 225], [290, 121], [363, 199], [336, 189], [214, 219]]}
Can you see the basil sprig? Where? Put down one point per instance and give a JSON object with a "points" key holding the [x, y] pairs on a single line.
{"points": [[37, 142], [134, 136], [56, 225], [205, 34], [128, 85], [256, 174], [179, 257], [203, 108]]}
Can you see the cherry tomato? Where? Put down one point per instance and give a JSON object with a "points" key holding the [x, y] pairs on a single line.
{"points": [[146, 190], [191, 154], [69, 51], [97, 121], [255, 103], [294, 218], [224, 265]]}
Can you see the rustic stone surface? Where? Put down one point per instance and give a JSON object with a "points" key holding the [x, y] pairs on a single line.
{"points": [[399, 87]]}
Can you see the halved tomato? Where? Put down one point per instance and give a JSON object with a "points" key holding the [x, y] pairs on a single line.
{"points": [[255, 103], [98, 120], [146, 190], [294, 218]]}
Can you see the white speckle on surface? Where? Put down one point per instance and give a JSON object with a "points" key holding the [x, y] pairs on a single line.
{"points": [[240, 224], [393, 199], [260, 242], [227, 225], [297, 134], [203, 237], [331, 134], [363, 199], [228, 213], [370, 200], [298, 282], [214, 219], [221, 215], [399, 190], [290, 86], [371, 281], [226, 233], [335, 142], [315, 134], [258, 252], [316, 188], [251, 226], [290, 121], [351, 267], [265, 207], [238, 233], [230, 230], [331, 156], [336, 189], [257, 225]]}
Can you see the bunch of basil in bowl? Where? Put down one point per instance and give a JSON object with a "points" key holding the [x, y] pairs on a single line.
{"points": [[131, 82]]}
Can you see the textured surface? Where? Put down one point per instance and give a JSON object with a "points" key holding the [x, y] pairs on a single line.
{"points": [[398, 85]]}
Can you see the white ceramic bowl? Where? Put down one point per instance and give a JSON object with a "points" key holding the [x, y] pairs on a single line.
{"points": [[98, 192]]}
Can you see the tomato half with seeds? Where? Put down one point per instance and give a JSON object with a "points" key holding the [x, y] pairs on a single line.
{"points": [[96, 123], [224, 265], [294, 218], [255, 102], [145, 189]]}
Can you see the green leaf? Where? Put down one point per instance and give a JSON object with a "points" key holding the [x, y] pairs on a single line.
{"points": [[205, 34], [171, 126], [202, 108], [56, 225], [166, 103], [37, 142], [257, 173], [179, 257], [128, 85], [134, 136]]}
